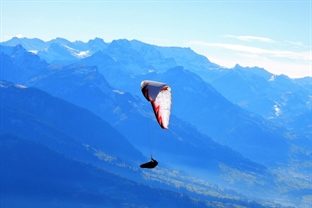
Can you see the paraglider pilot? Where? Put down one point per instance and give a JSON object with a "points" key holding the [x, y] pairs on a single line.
{"points": [[151, 164]]}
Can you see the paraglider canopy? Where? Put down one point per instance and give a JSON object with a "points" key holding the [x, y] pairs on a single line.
{"points": [[159, 94]]}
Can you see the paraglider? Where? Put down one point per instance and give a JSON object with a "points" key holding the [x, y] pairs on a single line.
{"points": [[159, 94]]}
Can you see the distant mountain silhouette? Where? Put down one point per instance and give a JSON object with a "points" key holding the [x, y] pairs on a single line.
{"points": [[275, 97], [20, 65]]}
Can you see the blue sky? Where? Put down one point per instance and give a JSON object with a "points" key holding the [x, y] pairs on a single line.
{"points": [[273, 34]]}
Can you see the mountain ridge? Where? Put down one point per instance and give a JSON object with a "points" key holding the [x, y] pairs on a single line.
{"points": [[71, 183], [117, 85], [22, 118]]}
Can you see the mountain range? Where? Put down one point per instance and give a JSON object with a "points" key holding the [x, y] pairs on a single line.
{"points": [[239, 129]]}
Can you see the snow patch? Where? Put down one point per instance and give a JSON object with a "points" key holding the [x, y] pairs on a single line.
{"points": [[83, 54], [119, 92], [277, 109], [272, 78], [20, 86], [77, 53], [33, 51], [4, 84]]}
